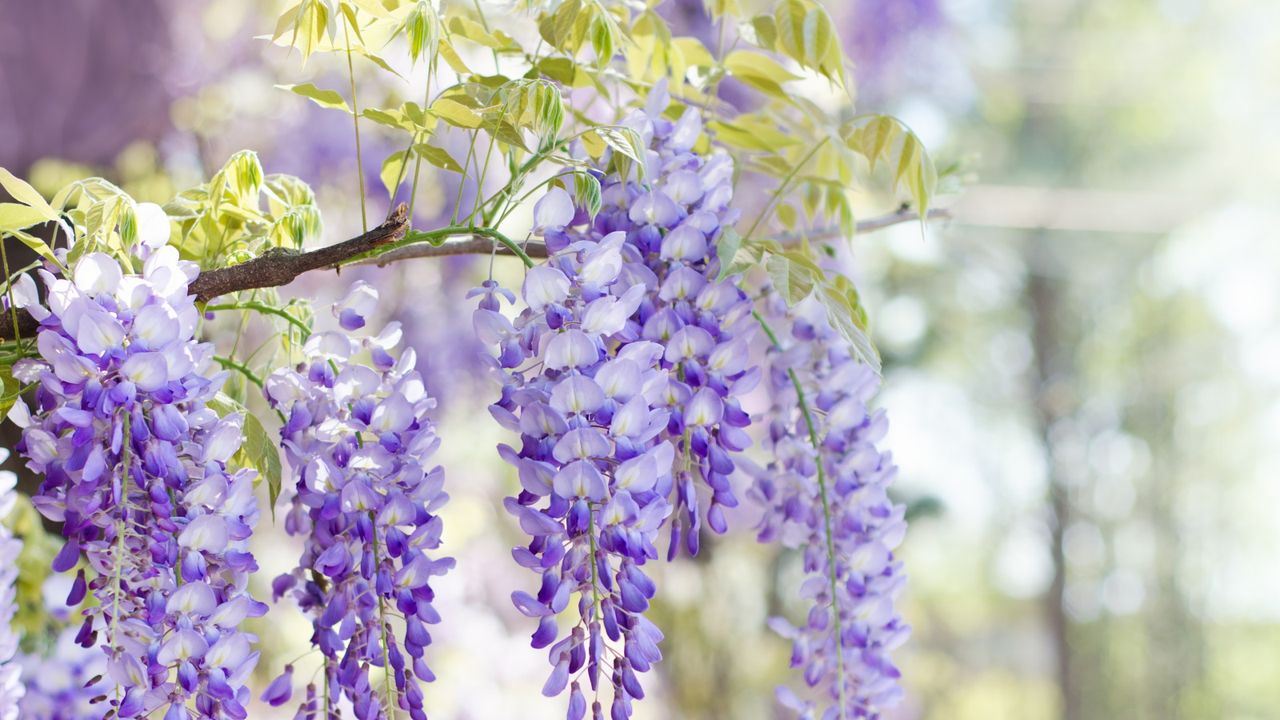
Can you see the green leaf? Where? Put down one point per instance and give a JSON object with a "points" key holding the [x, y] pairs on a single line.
{"points": [[586, 191], [437, 156], [388, 118], [760, 71], [422, 28], [765, 30], [727, 246], [311, 26], [475, 32], [14, 216], [258, 450], [377, 60], [393, 172], [807, 34], [845, 312], [456, 114], [40, 247], [324, 98], [791, 279], [25, 194], [916, 171]]}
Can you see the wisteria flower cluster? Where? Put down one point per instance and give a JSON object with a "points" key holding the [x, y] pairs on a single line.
{"points": [[621, 377], [11, 687], [825, 493], [134, 463], [360, 441], [672, 222]]}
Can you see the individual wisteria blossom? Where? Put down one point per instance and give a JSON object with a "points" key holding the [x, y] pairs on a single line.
{"points": [[359, 439], [621, 376], [831, 502], [10, 547], [134, 463]]}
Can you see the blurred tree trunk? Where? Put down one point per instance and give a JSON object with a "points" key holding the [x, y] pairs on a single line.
{"points": [[1052, 398], [79, 81], [1175, 634]]}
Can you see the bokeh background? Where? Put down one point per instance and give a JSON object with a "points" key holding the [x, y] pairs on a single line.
{"points": [[1082, 365]]}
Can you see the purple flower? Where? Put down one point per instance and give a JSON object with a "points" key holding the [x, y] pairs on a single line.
{"points": [[359, 440], [831, 502], [702, 322], [594, 469], [64, 683], [122, 434], [621, 377]]}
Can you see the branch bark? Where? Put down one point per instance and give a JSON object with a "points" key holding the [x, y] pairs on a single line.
{"points": [[274, 269], [534, 249], [281, 267]]}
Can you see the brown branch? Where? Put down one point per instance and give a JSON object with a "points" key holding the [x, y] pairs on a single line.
{"points": [[872, 224], [274, 269], [483, 246], [280, 267]]}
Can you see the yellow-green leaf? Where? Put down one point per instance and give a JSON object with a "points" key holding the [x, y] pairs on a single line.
{"points": [[437, 156], [25, 194], [759, 70], [40, 247], [324, 98], [393, 172], [14, 216], [456, 114], [258, 450], [846, 315]]}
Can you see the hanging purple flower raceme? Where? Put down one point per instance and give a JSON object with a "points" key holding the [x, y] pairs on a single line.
{"points": [[831, 502], [359, 439], [594, 469], [135, 467], [10, 547], [631, 351], [672, 222]]}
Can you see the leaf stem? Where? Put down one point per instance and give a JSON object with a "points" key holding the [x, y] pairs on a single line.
{"points": [[264, 309], [355, 117], [13, 309], [382, 626], [121, 527], [826, 512], [786, 181], [440, 234]]}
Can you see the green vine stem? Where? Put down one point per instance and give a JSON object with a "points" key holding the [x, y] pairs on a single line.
{"points": [[812, 427]]}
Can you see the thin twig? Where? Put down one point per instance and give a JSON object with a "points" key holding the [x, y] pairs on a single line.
{"points": [[474, 245]]}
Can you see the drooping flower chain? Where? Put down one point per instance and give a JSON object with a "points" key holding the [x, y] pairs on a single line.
{"points": [[359, 440], [637, 352], [825, 493], [673, 221], [134, 465]]}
